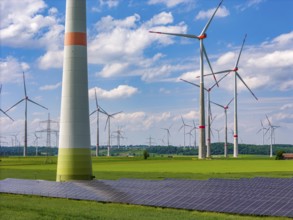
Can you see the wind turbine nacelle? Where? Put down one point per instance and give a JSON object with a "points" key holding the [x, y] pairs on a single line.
{"points": [[203, 36]]}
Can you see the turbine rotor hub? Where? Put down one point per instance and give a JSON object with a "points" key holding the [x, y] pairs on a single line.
{"points": [[203, 36]]}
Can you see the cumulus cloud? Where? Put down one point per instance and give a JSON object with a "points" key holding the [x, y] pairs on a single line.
{"points": [[113, 69], [141, 121], [51, 59], [119, 44], [122, 91], [11, 69], [22, 23], [51, 87], [222, 12]]}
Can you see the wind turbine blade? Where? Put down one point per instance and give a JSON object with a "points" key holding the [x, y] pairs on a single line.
{"points": [[207, 25], [175, 34], [236, 65], [261, 123], [220, 80], [15, 105], [207, 59], [193, 84], [190, 82], [220, 72], [259, 131], [6, 114], [194, 126], [217, 104], [93, 112], [97, 105], [180, 128], [102, 110], [267, 131], [107, 121], [246, 85], [0, 88], [230, 102], [115, 113], [37, 104], [269, 121], [24, 86]]}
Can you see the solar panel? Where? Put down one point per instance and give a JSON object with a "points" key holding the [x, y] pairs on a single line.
{"points": [[256, 196]]}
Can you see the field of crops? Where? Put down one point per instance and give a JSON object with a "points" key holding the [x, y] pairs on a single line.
{"points": [[31, 207]]}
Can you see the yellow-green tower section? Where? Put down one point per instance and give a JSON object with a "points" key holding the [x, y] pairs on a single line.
{"points": [[74, 154]]}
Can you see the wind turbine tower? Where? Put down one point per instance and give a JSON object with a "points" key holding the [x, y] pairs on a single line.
{"points": [[168, 135], [236, 76], [26, 99], [263, 132], [272, 130], [201, 37], [74, 155], [109, 116], [98, 110], [184, 133], [226, 127]]}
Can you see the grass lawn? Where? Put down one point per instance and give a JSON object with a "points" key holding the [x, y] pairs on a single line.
{"points": [[33, 207], [153, 168]]}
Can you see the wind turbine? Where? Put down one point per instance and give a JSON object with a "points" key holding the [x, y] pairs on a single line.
{"points": [[190, 135], [1, 108], [226, 135], [194, 128], [272, 130], [36, 142], [168, 134], [218, 131], [201, 37], [119, 135], [109, 116], [98, 110], [183, 126], [263, 132], [208, 90], [236, 75], [26, 99]]}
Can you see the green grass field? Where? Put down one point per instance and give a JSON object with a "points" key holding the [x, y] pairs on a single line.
{"points": [[33, 207]]}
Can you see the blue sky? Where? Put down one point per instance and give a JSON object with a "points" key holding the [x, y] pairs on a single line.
{"points": [[138, 73]]}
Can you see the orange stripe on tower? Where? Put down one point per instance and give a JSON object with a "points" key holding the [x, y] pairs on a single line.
{"points": [[75, 38]]}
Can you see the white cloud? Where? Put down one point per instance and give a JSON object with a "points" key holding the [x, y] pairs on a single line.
{"points": [[51, 59], [141, 121], [119, 44], [286, 85], [168, 3], [222, 12], [248, 4], [109, 3], [22, 23], [122, 91], [51, 87], [280, 59], [11, 69], [192, 115], [113, 69], [226, 58], [287, 106], [161, 19]]}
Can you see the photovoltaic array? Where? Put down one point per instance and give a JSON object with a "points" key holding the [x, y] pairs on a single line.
{"points": [[256, 196]]}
